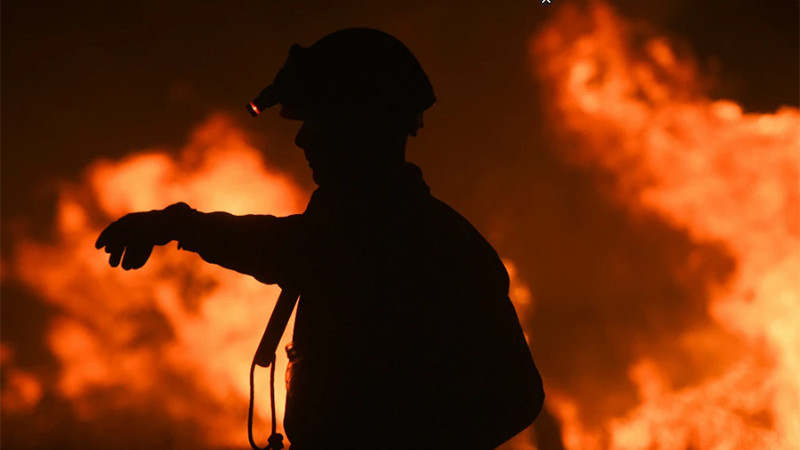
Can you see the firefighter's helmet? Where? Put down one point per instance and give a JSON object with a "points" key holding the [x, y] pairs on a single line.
{"points": [[356, 74]]}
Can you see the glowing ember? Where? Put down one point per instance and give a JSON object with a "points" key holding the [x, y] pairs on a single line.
{"points": [[21, 390], [519, 292], [626, 103]]}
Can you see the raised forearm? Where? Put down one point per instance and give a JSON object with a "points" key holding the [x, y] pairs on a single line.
{"points": [[256, 245]]}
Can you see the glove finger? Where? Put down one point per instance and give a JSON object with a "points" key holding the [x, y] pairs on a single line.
{"points": [[113, 234], [136, 255], [115, 252], [105, 236]]}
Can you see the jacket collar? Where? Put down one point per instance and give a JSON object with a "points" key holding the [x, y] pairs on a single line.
{"points": [[398, 184]]}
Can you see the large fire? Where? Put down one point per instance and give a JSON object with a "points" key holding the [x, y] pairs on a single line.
{"points": [[624, 102], [175, 338], [158, 357]]}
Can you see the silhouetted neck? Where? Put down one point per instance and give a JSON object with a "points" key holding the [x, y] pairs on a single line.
{"points": [[387, 185]]}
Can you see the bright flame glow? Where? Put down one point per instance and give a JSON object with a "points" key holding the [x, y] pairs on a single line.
{"points": [[179, 333], [721, 174]]}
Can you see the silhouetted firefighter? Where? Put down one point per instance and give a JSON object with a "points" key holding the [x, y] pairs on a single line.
{"points": [[405, 336]]}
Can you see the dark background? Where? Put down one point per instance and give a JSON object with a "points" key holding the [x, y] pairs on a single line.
{"points": [[90, 78]]}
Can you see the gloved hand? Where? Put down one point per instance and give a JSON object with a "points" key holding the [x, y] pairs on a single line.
{"points": [[135, 234]]}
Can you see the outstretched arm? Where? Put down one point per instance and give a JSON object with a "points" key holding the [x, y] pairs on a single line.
{"points": [[257, 245]]}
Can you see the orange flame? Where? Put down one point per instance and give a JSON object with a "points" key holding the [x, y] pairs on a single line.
{"points": [[627, 104], [178, 333]]}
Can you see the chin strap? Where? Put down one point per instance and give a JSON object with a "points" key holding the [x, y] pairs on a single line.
{"points": [[265, 356]]}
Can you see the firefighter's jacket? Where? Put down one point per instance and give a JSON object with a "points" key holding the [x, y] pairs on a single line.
{"points": [[404, 336]]}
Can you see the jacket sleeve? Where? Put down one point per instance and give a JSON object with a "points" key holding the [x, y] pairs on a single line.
{"points": [[259, 245]]}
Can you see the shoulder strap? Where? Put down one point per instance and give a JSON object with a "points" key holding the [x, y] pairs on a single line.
{"points": [[265, 354], [264, 357]]}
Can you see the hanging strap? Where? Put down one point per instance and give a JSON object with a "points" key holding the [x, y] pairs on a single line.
{"points": [[265, 356]]}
